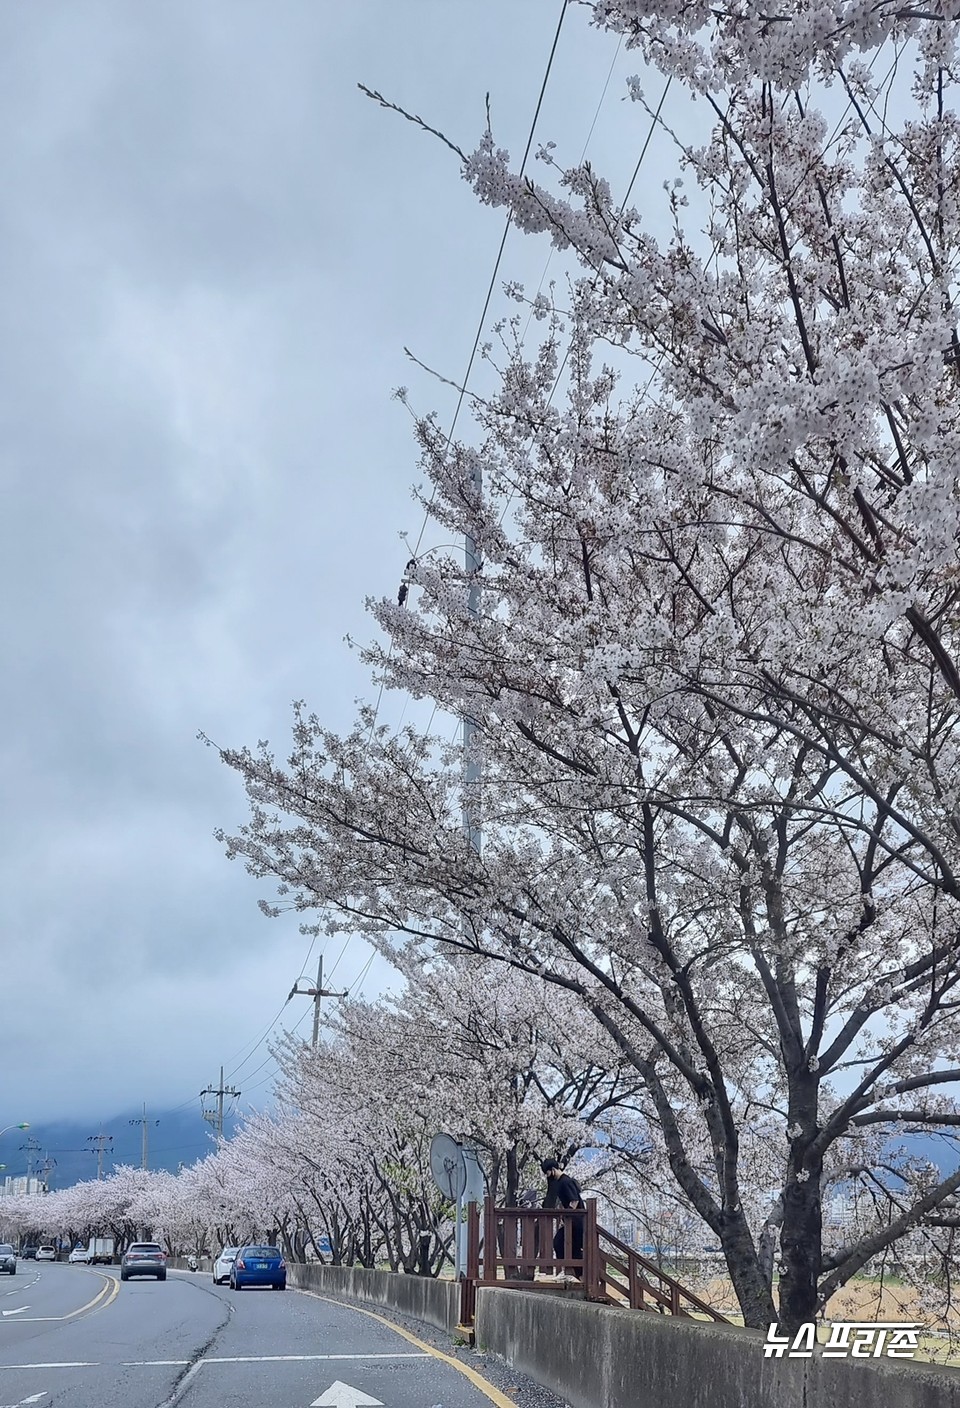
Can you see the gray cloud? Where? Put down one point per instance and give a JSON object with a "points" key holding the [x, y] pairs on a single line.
{"points": [[214, 251]]}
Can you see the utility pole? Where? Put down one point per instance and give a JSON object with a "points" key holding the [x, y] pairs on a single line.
{"points": [[100, 1142], [30, 1148], [316, 993], [143, 1122], [215, 1116], [46, 1167]]}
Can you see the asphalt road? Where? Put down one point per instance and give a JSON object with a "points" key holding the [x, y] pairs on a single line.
{"points": [[78, 1338]]}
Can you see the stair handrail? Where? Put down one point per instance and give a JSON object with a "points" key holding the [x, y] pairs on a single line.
{"points": [[678, 1292]]}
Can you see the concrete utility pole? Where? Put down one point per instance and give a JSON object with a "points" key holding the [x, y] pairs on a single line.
{"points": [[100, 1142], [143, 1122], [215, 1116], [316, 993], [30, 1148]]}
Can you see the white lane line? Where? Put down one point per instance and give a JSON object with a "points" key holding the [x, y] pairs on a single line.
{"points": [[210, 1359], [19, 1311], [300, 1358], [182, 1386], [60, 1364]]}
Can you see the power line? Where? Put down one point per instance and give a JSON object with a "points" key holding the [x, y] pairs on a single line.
{"points": [[596, 273], [261, 1039], [215, 1116], [496, 268], [358, 980], [479, 334], [317, 993], [546, 267]]}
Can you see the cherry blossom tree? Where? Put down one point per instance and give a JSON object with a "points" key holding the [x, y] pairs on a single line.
{"points": [[710, 650]]}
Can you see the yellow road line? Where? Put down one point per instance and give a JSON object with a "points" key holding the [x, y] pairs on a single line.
{"points": [[107, 1294], [477, 1379]]}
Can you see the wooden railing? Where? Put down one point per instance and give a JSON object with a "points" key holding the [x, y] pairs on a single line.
{"points": [[513, 1244], [630, 1279]]}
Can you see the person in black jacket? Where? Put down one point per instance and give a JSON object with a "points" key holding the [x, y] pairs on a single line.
{"points": [[563, 1191]]}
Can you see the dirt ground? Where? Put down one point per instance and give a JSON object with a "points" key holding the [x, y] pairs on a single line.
{"points": [[866, 1300]]}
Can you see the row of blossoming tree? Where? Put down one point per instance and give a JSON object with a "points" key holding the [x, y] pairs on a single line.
{"points": [[339, 1168], [710, 647]]}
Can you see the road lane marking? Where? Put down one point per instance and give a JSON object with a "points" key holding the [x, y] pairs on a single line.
{"points": [[300, 1358], [182, 1386], [478, 1381], [341, 1395], [211, 1359], [60, 1364], [19, 1310], [107, 1295]]}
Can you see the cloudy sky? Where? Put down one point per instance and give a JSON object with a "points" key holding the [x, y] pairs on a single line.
{"points": [[214, 251]]}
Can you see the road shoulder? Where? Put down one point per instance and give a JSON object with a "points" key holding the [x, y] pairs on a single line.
{"points": [[492, 1376]]}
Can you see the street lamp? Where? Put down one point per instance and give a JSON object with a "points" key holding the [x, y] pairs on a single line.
{"points": [[24, 1125]]}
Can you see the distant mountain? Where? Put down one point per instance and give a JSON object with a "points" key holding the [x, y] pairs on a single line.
{"points": [[173, 1138]]}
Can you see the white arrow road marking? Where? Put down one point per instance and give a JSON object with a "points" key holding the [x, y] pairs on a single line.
{"points": [[340, 1395], [34, 1398], [19, 1311]]}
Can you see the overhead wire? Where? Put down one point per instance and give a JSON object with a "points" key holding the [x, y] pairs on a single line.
{"points": [[257, 1085], [623, 205], [260, 1040], [480, 325], [583, 152]]}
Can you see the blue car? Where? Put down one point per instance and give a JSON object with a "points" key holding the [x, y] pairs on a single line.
{"points": [[259, 1266]]}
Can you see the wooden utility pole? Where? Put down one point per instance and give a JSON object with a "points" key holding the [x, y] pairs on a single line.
{"points": [[316, 993]]}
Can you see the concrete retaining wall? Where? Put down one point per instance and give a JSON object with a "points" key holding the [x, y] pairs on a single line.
{"points": [[597, 1357], [433, 1302]]}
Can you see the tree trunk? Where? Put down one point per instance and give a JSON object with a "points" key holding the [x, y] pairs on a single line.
{"points": [[753, 1293], [800, 1250]]}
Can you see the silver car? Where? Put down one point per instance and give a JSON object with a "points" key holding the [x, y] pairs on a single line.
{"points": [[144, 1259], [8, 1259], [224, 1265]]}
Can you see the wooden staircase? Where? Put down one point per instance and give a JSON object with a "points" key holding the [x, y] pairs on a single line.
{"points": [[508, 1247]]}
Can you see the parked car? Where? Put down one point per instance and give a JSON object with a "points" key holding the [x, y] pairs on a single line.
{"points": [[79, 1254], [144, 1259], [259, 1266], [46, 1254], [28, 1253], [224, 1265], [8, 1259]]}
